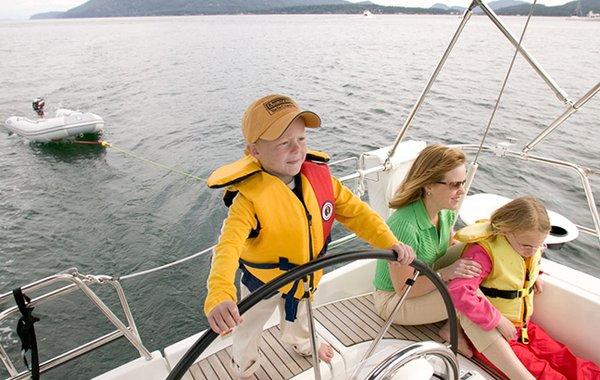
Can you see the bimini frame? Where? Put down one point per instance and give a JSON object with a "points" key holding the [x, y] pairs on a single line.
{"points": [[572, 107]]}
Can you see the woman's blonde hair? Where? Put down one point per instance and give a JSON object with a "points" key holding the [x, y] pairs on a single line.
{"points": [[430, 166], [521, 214]]}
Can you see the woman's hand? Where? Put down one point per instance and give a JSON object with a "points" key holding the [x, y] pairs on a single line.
{"points": [[461, 268], [405, 253], [538, 285], [224, 317], [507, 328]]}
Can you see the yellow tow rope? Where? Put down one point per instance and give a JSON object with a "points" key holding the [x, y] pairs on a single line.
{"points": [[106, 144]]}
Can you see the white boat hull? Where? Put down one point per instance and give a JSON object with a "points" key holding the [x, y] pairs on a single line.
{"points": [[66, 124]]}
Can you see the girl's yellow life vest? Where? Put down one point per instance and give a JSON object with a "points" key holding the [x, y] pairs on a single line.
{"points": [[509, 285]]}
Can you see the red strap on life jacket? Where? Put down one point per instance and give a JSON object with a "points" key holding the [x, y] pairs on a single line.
{"points": [[319, 177]]}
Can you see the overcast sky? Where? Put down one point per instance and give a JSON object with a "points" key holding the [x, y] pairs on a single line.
{"points": [[22, 9]]}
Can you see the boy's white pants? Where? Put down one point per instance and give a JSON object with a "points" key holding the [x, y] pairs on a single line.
{"points": [[247, 335]]}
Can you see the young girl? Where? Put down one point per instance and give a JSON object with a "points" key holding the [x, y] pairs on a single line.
{"points": [[496, 307]]}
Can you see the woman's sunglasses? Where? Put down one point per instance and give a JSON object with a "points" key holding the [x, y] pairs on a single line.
{"points": [[453, 185]]}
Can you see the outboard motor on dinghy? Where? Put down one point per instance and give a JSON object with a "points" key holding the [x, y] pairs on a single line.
{"points": [[38, 106]]}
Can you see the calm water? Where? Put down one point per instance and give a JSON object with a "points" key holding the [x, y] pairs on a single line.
{"points": [[173, 89]]}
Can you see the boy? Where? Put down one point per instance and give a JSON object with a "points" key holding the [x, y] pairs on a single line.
{"points": [[282, 202]]}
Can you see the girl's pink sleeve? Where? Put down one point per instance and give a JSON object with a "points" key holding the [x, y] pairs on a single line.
{"points": [[464, 292]]}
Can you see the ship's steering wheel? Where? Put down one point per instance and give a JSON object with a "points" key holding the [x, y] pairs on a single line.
{"points": [[301, 271]]}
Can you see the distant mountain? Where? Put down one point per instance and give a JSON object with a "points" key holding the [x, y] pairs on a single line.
{"points": [[454, 8], [505, 3], [133, 8], [499, 4], [440, 6], [351, 8], [564, 10]]}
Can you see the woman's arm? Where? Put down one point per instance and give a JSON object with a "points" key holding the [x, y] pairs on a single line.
{"points": [[461, 268], [399, 273], [464, 292], [407, 232]]}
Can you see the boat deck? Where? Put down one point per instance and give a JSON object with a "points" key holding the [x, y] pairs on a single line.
{"points": [[351, 321]]}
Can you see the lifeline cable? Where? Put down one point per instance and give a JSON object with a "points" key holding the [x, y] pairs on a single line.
{"points": [[106, 144]]}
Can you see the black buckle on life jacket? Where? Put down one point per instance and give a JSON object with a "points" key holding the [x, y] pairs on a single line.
{"points": [[252, 283], [506, 294], [26, 332], [282, 264], [255, 231]]}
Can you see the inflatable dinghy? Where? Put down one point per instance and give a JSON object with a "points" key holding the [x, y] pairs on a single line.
{"points": [[66, 124]]}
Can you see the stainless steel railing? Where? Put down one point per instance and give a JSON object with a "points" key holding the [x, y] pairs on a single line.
{"points": [[80, 282], [582, 173], [388, 368]]}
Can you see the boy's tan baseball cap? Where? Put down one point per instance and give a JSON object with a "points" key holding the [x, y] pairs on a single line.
{"points": [[268, 117]]}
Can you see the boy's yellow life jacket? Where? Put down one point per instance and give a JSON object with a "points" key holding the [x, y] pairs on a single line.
{"points": [[509, 285], [289, 233]]}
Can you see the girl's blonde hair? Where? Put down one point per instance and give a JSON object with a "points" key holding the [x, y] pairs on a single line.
{"points": [[430, 166], [521, 214]]}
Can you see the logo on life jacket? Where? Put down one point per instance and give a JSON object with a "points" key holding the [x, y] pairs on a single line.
{"points": [[327, 211]]}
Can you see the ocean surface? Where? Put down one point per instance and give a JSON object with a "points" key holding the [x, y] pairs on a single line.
{"points": [[173, 90]]}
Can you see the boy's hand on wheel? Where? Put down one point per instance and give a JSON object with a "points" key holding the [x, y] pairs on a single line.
{"points": [[224, 317], [405, 253]]}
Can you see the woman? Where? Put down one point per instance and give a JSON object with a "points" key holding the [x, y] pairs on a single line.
{"points": [[426, 204]]}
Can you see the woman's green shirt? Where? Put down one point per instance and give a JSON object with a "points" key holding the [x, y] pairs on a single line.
{"points": [[411, 225]]}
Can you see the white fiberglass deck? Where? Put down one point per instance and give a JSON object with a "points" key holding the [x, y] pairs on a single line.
{"points": [[351, 321]]}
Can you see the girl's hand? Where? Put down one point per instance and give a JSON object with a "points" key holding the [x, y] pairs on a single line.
{"points": [[224, 317], [461, 268], [538, 286], [507, 328], [405, 253]]}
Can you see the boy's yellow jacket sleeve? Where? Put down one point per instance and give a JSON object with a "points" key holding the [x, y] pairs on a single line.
{"points": [[360, 218], [226, 254]]}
